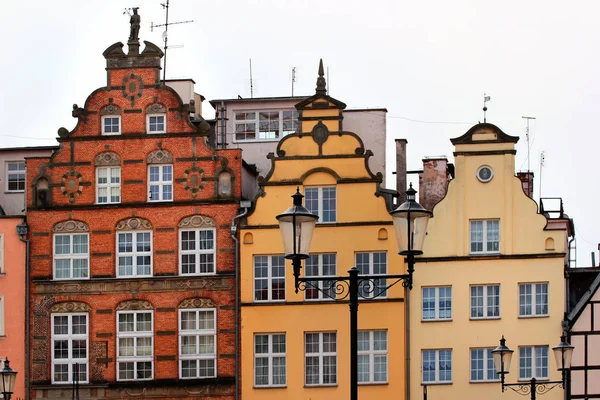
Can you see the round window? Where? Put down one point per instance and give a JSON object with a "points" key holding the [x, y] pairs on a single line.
{"points": [[485, 173]]}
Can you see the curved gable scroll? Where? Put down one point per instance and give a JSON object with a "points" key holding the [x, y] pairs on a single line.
{"points": [[133, 224], [197, 221], [107, 158], [134, 305], [71, 226], [71, 306], [159, 157], [197, 302], [110, 110]]}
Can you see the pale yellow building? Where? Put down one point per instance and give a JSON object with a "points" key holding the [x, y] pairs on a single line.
{"points": [[492, 266], [296, 345]]}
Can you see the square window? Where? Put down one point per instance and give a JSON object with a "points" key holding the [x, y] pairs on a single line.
{"points": [[437, 303], [533, 300], [134, 254], [160, 183], [157, 123], [485, 301], [15, 176], [71, 256], [111, 125], [322, 201], [269, 278], [485, 236], [197, 252], [437, 366], [533, 362]]}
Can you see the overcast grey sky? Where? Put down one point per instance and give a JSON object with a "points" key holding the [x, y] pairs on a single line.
{"points": [[422, 60]]}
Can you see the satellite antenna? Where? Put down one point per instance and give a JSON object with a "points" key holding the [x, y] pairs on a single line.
{"points": [[293, 79], [165, 35]]}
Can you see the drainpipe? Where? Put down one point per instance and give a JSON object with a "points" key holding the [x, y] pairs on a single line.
{"points": [[22, 230], [245, 205], [407, 340]]}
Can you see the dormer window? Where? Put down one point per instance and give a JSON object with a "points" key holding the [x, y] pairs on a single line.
{"points": [[156, 119], [111, 120]]}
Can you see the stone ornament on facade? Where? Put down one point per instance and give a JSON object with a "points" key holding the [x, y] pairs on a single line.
{"points": [[197, 302], [71, 226], [134, 305], [71, 306], [107, 158], [71, 185], [156, 109], [133, 87], [159, 157], [133, 224], [194, 180], [110, 110], [197, 221]]}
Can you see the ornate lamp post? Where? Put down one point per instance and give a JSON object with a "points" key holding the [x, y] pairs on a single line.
{"points": [[8, 376], [502, 357], [297, 225]]}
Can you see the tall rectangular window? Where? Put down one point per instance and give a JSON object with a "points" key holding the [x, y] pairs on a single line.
{"points": [[485, 301], [482, 365], [437, 303], [111, 125], [160, 183], [71, 256], [269, 278], [270, 359], [69, 347], [15, 176], [373, 263], [533, 299], [320, 358], [2, 271], [134, 253], [197, 251], [197, 343], [320, 265], [437, 366], [372, 356], [321, 201], [485, 236], [2, 333], [533, 362], [108, 185], [265, 124], [135, 348], [156, 123]]}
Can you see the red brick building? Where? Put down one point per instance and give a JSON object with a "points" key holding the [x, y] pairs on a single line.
{"points": [[132, 259]]}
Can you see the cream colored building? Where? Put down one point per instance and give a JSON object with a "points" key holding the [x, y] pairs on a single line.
{"points": [[492, 266]]}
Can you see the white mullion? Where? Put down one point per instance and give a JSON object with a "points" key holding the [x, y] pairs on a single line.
{"points": [[321, 358], [270, 366]]}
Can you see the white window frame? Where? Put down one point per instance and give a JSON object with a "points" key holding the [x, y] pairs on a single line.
{"points": [[135, 334], [366, 289], [485, 248], [70, 256], [104, 117], [320, 356], [319, 206], [488, 366], [486, 301], [197, 252], [269, 278], [70, 337], [2, 328], [2, 271], [534, 362], [437, 366], [372, 354], [18, 172], [198, 333], [256, 122], [156, 115], [534, 299], [160, 183], [437, 300], [134, 254], [109, 185], [311, 293], [270, 355]]}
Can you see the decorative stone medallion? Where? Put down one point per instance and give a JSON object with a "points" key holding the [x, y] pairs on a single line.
{"points": [[71, 226], [194, 180], [197, 221], [133, 224], [197, 302], [107, 158], [159, 157], [133, 87], [71, 185]]}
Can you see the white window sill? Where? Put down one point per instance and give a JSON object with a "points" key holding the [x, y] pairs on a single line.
{"points": [[536, 378], [320, 386], [437, 320], [484, 318], [534, 316], [435, 383], [485, 381], [14, 191], [373, 383], [71, 279], [257, 141], [270, 387]]}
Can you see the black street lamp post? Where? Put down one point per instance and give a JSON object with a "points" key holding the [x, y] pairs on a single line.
{"points": [[8, 376], [297, 225], [502, 357]]}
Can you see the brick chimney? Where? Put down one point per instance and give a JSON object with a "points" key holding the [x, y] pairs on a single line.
{"points": [[433, 181], [401, 185], [526, 182]]}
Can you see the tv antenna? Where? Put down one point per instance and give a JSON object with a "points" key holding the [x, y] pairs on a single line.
{"points": [[165, 35], [293, 79], [542, 162], [251, 85], [528, 143]]}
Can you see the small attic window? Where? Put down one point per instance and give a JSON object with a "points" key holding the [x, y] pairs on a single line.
{"points": [[111, 125], [156, 119]]}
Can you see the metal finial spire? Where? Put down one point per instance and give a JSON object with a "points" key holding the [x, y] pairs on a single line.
{"points": [[485, 100], [321, 84]]}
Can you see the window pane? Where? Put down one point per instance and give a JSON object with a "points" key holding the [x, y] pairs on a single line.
{"points": [[188, 320], [429, 366], [541, 298], [445, 302], [445, 365], [428, 303]]}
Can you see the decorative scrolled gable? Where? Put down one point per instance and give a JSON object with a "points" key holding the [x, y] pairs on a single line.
{"points": [[107, 158], [110, 110], [133, 224], [159, 157], [197, 221], [71, 226], [156, 109], [197, 302], [70, 306], [134, 305]]}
